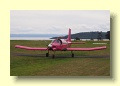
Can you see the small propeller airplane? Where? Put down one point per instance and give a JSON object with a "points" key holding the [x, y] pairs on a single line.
{"points": [[61, 45]]}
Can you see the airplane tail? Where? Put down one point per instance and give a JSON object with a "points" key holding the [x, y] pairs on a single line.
{"points": [[69, 35]]}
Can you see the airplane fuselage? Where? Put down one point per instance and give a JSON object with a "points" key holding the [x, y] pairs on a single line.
{"points": [[59, 44]]}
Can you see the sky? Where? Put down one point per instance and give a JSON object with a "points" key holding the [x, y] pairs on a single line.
{"points": [[58, 21]]}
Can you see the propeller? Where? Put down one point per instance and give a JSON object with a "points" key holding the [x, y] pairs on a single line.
{"points": [[46, 43]]}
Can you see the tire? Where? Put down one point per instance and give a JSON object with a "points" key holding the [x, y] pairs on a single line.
{"points": [[72, 55], [47, 54]]}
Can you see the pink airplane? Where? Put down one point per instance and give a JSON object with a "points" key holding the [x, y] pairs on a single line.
{"points": [[61, 45]]}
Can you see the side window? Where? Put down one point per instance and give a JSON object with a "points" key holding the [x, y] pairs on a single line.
{"points": [[60, 42]]}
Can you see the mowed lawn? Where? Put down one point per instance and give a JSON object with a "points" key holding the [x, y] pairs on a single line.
{"points": [[34, 63]]}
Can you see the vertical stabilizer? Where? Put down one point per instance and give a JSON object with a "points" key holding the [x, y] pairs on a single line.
{"points": [[69, 35]]}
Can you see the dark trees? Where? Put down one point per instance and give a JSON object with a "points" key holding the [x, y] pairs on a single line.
{"points": [[108, 35]]}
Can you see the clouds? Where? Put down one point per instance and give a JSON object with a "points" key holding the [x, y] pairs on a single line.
{"points": [[41, 22]]}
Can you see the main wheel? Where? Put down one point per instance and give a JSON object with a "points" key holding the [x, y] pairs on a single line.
{"points": [[72, 55], [47, 54]]}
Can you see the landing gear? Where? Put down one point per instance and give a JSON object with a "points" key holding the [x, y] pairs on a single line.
{"points": [[53, 56], [47, 54], [72, 54]]}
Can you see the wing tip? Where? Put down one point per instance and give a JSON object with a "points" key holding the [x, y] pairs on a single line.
{"points": [[17, 46]]}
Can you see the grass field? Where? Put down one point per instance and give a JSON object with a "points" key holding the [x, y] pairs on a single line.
{"points": [[34, 63]]}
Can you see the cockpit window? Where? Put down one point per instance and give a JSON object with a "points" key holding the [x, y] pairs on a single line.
{"points": [[57, 41]]}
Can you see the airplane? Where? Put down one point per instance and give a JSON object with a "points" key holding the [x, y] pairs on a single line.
{"points": [[61, 45]]}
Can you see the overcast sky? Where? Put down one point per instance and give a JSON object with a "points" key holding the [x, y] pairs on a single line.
{"points": [[58, 22]]}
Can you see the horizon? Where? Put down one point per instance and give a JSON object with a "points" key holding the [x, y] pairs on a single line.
{"points": [[52, 34], [49, 35]]}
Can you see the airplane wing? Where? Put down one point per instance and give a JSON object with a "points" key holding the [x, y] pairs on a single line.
{"points": [[29, 48], [86, 49]]}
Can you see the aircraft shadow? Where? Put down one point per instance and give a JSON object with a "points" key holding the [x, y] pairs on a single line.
{"points": [[60, 56]]}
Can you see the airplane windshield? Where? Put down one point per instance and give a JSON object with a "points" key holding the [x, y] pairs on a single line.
{"points": [[57, 41]]}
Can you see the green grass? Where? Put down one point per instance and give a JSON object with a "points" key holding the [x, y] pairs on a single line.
{"points": [[34, 63]]}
